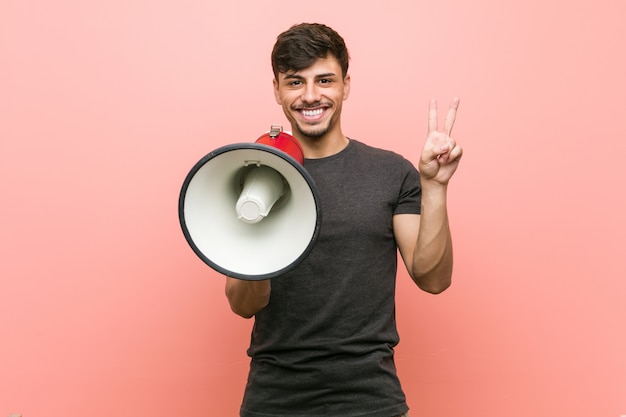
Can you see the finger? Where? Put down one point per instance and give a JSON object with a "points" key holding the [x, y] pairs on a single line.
{"points": [[454, 105], [456, 154], [432, 116]]}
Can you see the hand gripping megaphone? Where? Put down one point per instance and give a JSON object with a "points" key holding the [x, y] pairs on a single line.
{"points": [[250, 210]]}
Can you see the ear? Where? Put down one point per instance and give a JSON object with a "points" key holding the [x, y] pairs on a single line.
{"points": [[346, 87], [276, 92]]}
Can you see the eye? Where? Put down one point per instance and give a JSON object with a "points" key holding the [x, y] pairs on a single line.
{"points": [[295, 83]]}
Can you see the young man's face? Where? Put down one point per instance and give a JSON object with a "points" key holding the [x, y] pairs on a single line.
{"points": [[312, 98]]}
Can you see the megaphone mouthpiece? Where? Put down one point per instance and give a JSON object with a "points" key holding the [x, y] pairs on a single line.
{"points": [[263, 186]]}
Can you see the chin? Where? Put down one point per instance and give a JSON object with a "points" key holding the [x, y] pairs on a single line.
{"points": [[314, 132]]}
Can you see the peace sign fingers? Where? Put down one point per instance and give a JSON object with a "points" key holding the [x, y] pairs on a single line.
{"points": [[440, 154], [433, 120]]}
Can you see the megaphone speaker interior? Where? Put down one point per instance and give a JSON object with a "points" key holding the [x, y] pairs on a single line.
{"points": [[250, 210]]}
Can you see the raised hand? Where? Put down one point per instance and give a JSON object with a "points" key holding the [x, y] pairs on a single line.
{"points": [[440, 154]]}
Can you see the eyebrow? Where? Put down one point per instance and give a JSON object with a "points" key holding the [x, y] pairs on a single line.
{"points": [[299, 77]]}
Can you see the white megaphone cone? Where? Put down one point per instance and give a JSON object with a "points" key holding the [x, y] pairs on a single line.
{"points": [[250, 210]]}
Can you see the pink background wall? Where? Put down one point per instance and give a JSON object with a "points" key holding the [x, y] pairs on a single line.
{"points": [[106, 105]]}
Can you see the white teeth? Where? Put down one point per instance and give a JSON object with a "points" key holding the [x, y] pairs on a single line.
{"points": [[312, 113]]}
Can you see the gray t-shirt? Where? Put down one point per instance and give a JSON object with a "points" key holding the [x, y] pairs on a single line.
{"points": [[324, 345]]}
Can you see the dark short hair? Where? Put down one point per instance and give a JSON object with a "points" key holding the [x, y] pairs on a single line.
{"points": [[301, 45]]}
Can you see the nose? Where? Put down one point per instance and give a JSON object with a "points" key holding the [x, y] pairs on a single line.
{"points": [[311, 93]]}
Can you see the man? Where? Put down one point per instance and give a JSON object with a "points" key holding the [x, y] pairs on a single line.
{"points": [[325, 332]]}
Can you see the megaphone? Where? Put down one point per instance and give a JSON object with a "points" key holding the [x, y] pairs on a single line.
{"points": [[250, 210]]}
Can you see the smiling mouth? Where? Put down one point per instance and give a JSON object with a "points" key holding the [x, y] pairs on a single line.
{"points": [[312, 114]]}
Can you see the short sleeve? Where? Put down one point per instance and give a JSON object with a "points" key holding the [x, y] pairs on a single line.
{"points": [[410, 197]]}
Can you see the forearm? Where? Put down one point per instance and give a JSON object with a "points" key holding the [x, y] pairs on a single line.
{"points": [[432, 258], [246, 298]]}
